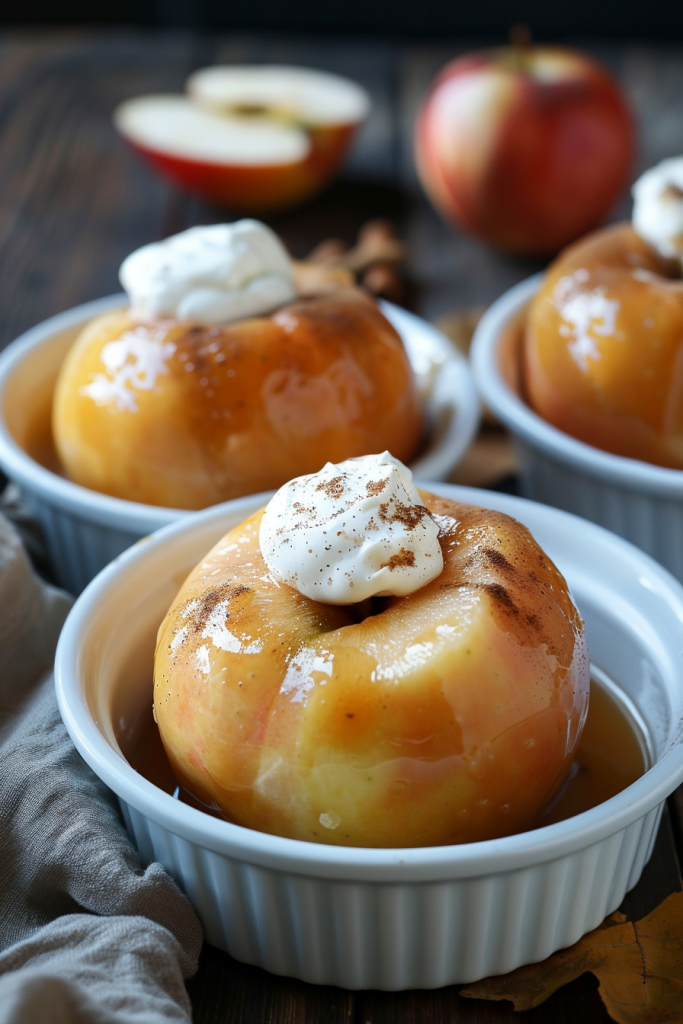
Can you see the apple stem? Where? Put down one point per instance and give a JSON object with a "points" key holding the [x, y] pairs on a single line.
{"points": [[520, 36], [520, 40]]}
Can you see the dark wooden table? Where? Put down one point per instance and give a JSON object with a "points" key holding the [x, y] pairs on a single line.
{"points": [[74, 202]]}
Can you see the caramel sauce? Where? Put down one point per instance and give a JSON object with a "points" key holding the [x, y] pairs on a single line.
{"points": [[36, 439], [612, 753]]}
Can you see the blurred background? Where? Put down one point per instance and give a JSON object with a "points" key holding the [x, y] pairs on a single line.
{"points": [[385, 18], [75, 199]]}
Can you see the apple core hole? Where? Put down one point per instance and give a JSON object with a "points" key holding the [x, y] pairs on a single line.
{"points": [[369, 607], [250, 110]]}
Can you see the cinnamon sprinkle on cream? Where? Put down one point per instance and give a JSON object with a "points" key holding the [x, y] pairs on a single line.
{"points": [[342, 535], [404, 559]]}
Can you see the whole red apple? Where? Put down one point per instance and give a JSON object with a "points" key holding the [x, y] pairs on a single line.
{"points": [[528, 147]]}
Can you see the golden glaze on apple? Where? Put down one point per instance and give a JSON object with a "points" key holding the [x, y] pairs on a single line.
{"points": [[187, 416], [450, 716], [604, 347]]}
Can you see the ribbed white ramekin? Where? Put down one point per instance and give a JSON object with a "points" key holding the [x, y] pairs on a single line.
{"points": [[639, 501], [84, 530], [402, 918]]}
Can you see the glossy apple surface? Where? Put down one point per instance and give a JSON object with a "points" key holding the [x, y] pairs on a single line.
{"points": [[184, 415], [528, 148], [603, 353], [451, 715], [251, 138]]}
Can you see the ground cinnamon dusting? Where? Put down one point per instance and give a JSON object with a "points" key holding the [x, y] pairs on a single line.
{"points": [[210, 599], [374, 487], [409, 515], [404, 559], [499, 560], [499, 594], [333, 488], [299, 509]]}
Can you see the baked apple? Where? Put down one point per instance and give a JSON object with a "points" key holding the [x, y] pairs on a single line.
{"points": [[603, 347], [603, 354], [446, 714], [192, 396]]}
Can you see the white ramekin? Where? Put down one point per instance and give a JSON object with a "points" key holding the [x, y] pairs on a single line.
{"points": [[638, 500], [84, 530], [403, 918]]}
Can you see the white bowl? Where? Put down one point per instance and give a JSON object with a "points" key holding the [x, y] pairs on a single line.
{"points": [[84, 529], [638, 500], [401, 918]]}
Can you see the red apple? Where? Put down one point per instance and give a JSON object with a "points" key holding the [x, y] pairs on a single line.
{"points": [[252, 138], [528, 147]]}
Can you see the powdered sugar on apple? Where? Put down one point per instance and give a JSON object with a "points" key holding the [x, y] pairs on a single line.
{"points": [[585, 314], [132, 363], [354, 530]]}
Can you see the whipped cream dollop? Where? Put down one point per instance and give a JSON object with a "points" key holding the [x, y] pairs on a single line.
{"points": [[354, 530], [658, 207], [210, 275]]}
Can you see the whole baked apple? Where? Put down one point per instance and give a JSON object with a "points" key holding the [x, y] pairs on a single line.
{"points": [[447, 715], [528, 147], [187, 415], [603, 347]]}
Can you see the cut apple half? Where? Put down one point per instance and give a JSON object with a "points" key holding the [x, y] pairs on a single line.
{"points": [[296, 95], [177, 127], [254, 139]]}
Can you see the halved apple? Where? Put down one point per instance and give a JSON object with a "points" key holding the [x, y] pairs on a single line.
{"points": [[252, 138]]}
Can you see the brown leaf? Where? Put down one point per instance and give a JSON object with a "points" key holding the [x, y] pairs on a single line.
{"points": [[639, 966]]}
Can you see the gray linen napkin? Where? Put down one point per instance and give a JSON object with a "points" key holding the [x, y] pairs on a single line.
{"points": [[86, 934]]}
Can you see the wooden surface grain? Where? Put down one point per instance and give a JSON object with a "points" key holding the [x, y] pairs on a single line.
{"points": [[74, 201]]}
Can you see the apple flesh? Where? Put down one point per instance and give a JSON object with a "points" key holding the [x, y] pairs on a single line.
{"points": [[528, 148], [253, 139], [450, 716]]}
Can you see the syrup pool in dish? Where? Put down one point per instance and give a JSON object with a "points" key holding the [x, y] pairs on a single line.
{"points": [[611, 754]]}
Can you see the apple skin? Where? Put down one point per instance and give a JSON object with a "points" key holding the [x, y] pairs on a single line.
{"points": [[236, 409], [528, 148], [263, 188], [451, 716], [614, 379]]}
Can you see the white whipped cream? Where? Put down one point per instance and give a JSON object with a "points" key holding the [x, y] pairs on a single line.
{"points": [[210, 275], [658, 207], [352, 531]]}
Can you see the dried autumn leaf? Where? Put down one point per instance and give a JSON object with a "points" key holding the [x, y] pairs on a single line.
{"points": [[639, 966]]}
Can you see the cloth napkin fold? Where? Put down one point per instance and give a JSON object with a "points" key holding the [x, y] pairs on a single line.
{"points": [[86, 934]]}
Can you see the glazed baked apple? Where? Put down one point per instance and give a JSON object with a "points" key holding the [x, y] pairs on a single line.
{"points": [[603, 354], [231, 372], [365, 665]]}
